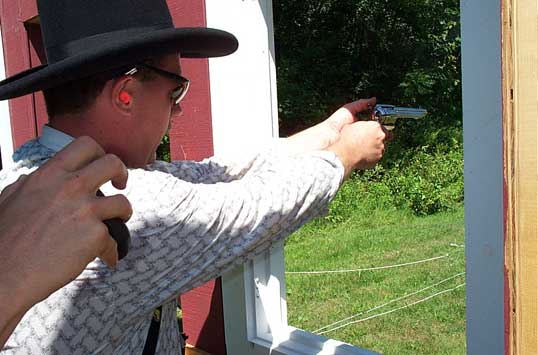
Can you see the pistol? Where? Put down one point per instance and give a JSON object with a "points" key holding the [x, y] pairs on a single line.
{"points": [[119, 232], [387, 115]]}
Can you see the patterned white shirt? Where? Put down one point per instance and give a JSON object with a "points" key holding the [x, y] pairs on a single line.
{"points": [[191, 221]]}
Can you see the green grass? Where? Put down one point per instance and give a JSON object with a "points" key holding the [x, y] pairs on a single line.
{"points": [[378, 238]]}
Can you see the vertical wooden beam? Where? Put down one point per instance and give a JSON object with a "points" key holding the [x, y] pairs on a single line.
{"points": [[191, 138], [191, 134], [520, 72], [6, 135], [17, 59], [37, 57], [508, 149]]}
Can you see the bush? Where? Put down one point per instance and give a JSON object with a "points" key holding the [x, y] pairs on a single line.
{"points": [[426, 180], [429, 183], [163, 151]]}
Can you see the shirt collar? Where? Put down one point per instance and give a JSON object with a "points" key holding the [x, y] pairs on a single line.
{"points": [[54, 139]]}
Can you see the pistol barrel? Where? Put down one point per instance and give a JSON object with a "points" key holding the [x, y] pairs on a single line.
{"points": [[387, 115], [399, 112]]}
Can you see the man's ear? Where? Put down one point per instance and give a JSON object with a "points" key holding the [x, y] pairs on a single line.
{"points": [[121, 95]]}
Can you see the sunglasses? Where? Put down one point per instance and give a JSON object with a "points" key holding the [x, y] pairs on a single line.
{"points": [[179, 92]]}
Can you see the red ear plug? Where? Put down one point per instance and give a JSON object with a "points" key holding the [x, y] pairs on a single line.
{"points": [[125, 97]]}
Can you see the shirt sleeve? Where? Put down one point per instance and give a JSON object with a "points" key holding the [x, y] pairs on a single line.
{"points": [[186, 233], [216, 169], [224, 168]]}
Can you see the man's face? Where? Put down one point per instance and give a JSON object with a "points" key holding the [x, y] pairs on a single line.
{"points": [[153, 109]]}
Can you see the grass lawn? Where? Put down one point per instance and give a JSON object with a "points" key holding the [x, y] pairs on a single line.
{"points": [[434, 325]]}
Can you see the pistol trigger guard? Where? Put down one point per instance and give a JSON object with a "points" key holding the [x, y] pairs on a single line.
{"points": [[378, 118]]}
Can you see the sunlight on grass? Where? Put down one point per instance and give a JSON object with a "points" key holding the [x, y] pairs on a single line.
{"points": [[373, 239]]}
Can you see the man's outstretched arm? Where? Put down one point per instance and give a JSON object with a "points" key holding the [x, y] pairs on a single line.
{"points": [[327, 132], [51, 226], [318, 137], [358, 145]]}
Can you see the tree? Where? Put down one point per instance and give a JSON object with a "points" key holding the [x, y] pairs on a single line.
{"points": [[404, 52]]}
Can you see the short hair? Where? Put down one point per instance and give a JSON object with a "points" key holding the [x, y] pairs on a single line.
{"points": [[75, 97]]}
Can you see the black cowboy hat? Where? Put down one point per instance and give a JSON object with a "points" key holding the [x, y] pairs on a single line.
{"points": [[86, 37]]}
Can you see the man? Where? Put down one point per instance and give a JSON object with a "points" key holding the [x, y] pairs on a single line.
{"points": [[70, 227], [114, 75]]}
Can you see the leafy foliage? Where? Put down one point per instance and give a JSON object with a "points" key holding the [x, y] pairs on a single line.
{"points": [[426, 182], [404, 52], [163, 151], [330, 52]]}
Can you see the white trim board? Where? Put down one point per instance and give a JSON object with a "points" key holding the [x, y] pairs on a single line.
{"points": [[255, 315], [243, 85], [244, 113]]}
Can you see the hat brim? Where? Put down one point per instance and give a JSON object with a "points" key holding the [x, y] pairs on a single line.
{"points": [[116, 52]]}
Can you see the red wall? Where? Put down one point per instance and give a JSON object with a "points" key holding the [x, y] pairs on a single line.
{"points": [[20, 54], [191, 137]]}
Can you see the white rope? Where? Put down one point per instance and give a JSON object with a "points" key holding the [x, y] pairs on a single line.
{"points": [[393, 310], [455, 245], [390, 302], [365, 269]]}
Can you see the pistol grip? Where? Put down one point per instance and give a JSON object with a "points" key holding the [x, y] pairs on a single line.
{"points": [[371, 116], [119, 232]]}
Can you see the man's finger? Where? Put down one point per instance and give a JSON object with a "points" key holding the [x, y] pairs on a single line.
{"points": [[108, 167], [117, 206], [109, 255], [388, 134], [361, 105], [77, 154]]}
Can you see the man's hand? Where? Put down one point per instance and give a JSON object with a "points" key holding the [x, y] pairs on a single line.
{"points": [[361, 145], [326, 133], [51, 224], [346, 115]]}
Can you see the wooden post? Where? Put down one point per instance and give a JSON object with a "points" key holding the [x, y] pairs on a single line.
{"points": [[520, 116], [19, 55], [191, 138]]}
